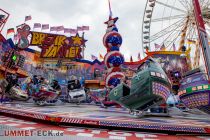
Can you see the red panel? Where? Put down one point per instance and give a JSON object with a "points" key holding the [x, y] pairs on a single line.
{"points": [[2, 39], [203, 40], [198, 16], [90, 122]]}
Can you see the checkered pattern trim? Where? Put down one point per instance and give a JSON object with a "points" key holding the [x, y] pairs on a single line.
{"points": [[19, 113], [39, 116], [116, 123], [14, 112], [71, 120], [153, 126], [195, 100]]}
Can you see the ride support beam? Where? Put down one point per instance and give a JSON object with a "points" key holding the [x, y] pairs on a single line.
{"points": [[197, 56], [203, 39], [183, 35]]}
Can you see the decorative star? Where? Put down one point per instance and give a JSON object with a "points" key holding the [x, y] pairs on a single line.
{"points": [[83, 41], [77, 40], [111, 21]]}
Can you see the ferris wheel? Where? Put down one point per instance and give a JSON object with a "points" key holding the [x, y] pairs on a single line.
{"points": [[171, 24]]}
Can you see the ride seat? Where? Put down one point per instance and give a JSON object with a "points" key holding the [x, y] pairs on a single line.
{"points": [[4, 83]]}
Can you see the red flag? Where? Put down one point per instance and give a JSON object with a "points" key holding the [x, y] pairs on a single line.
{"points": [[60, 28], [101, 56], [67, 30], [93, 57], [85, 28], [79, 28], [139, 56], [10, 30], [27, 18], [54, 28], [45, 26], [37, 25], [162, 47], [131, 59], [73, 31], [174, 47], [157, 46]]}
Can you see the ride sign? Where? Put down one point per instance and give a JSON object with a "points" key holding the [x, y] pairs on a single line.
{"points": [[58, 46]]}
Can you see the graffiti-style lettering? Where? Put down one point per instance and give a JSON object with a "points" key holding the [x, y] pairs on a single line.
{"points": [[59, 41], [57, 46], [37, 38]]}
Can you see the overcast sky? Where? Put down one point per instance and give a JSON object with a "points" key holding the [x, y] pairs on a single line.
{"points": [[93, 13]]}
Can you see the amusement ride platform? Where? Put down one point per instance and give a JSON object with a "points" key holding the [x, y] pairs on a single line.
{"points": [[112, 118]]}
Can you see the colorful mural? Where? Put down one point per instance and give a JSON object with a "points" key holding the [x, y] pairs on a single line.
{"points": [[58, 46]]}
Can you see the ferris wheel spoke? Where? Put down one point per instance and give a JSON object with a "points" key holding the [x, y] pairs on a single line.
{"points": [[167, 30], [170, 39], [190, 32], [173, 33], [189, 4], [208, 4], [172, 7], [207, 22], [204, 3], [201, 2], [208, 26], [173, 27], [168, 18], [184, 4], [165, 35], [193, 32], [159, 35], [173, 38]]}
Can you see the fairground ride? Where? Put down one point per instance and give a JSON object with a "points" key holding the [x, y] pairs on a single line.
{"points": [[170, 25]]}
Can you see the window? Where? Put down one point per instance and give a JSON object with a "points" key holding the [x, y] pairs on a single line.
{"points": [[158, 74], [162, 76], [205, 86], [153, 73], [196, 79], [199, 87], [194, 88]]}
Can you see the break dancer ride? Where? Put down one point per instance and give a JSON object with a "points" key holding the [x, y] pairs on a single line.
{"points": [[149, 88]]}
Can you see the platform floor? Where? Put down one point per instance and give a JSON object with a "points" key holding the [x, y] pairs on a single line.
{"points": [[78, 133], [115, 118]]}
